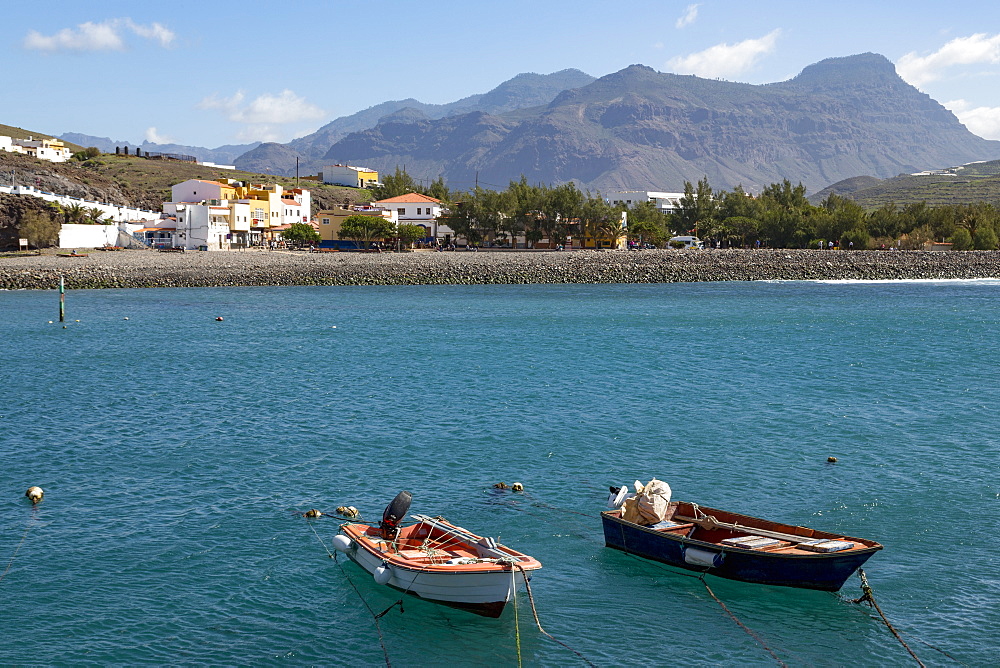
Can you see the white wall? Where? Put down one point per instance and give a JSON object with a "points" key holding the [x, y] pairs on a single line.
{"points": [[113, 211]]}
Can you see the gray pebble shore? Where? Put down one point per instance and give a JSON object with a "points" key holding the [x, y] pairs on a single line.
{"points": [[152, 269]]}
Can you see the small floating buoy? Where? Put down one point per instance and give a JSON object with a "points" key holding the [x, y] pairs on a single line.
{"points": [[501, 485], [517, 487], [219, 319], [348, 511], [126, 318], [35, 494], [832, 460], [313, 513]]}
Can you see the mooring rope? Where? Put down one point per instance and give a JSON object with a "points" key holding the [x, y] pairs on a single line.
{"points": [[27, 528], [517, 623], [375, 618], [743, 626], [869, 597], [534, 612]]}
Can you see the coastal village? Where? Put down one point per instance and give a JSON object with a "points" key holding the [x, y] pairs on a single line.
{"points": [[229, 214]]}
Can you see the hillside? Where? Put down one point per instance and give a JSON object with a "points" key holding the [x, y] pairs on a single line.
{"points": [[129, 180], [639, 128], [974, 182]]}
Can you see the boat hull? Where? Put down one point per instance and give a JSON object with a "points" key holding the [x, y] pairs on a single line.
{"points": [[822, 571], [483, 588]]}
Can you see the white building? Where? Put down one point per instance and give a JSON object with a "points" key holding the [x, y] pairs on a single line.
{"points": [[346, 175], [52, 150], [417, 209], [217, 215], [665, 202]]}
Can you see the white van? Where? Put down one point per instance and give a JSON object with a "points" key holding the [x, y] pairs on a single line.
{"points": [[688, 242]]}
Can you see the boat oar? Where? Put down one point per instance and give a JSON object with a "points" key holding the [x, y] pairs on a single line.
{"points": [[709, 523]]}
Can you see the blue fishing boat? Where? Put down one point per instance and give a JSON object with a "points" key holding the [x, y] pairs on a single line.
{"points": [[737, 547]]}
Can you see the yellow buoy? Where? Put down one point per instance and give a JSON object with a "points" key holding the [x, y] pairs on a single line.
{"points": [[348, 511], [501, 485], [313, 513], [35, 494], [832, 460]]}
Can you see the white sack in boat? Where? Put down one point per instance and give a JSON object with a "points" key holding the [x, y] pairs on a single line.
{"points": [[650, 503]]}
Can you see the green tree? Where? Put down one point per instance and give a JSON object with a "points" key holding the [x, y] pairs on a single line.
{"points": [[407, 234], [394, 185], [87, 153], [363, 230], [301, 233], [438, 190], [94, 214], [985, 238], [647, 224], [697, 208], [74, 213], [961, 240], [39, 229]]}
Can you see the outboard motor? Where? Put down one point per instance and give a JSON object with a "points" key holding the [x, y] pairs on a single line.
{"points": [[394, 514]]}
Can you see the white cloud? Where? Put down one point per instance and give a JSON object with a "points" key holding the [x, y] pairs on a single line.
{"points": [[725, 60], [688, 17], [971, 50], [154, 136], [267, 109], [105, 36], [982, 121]]}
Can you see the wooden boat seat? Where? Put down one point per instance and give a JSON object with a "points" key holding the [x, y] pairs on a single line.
{"points": [[752, 542], [668, 525]]}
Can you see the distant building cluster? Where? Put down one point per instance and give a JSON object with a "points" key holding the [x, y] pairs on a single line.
{"points": [[227, 214], [52, 150]]}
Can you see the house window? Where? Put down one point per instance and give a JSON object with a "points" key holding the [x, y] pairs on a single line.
{"points": [[326, 221], [401, 212]]}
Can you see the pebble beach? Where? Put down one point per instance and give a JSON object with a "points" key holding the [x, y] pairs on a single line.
{"points": [[154, 269]]}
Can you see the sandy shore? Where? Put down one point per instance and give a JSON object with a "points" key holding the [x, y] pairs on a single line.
{"points": [[146, 268]]}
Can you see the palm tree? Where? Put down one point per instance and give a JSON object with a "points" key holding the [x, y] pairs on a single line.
{"points": [[74, 213], [94, 214]]}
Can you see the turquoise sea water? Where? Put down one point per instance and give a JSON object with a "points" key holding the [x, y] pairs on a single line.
{"points": [[176, 452]]}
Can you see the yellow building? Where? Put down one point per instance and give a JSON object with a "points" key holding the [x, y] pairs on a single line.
{"points": [[330, 220]]}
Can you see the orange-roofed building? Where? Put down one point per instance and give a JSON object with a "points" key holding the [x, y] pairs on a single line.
{"points": [[422, 210]]}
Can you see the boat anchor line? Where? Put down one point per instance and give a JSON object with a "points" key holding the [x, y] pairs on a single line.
{"points": [[869, 598], [711, 593]]}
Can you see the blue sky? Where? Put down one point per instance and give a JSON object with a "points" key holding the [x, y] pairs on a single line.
{"points": [[212, 73]]}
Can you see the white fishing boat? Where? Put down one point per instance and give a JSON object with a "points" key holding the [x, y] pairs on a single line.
{"points": [[436, 560]]}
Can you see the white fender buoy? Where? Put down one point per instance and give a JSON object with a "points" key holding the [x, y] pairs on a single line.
{"points": [[342, 543], [382, 575], [517, 487], [35, 494]]}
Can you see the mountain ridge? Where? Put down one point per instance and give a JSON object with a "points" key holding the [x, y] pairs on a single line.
{"points": [[642, 129]]}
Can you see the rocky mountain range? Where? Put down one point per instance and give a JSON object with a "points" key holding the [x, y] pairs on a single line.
{"points": [[524, 90], [642, 129]]}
